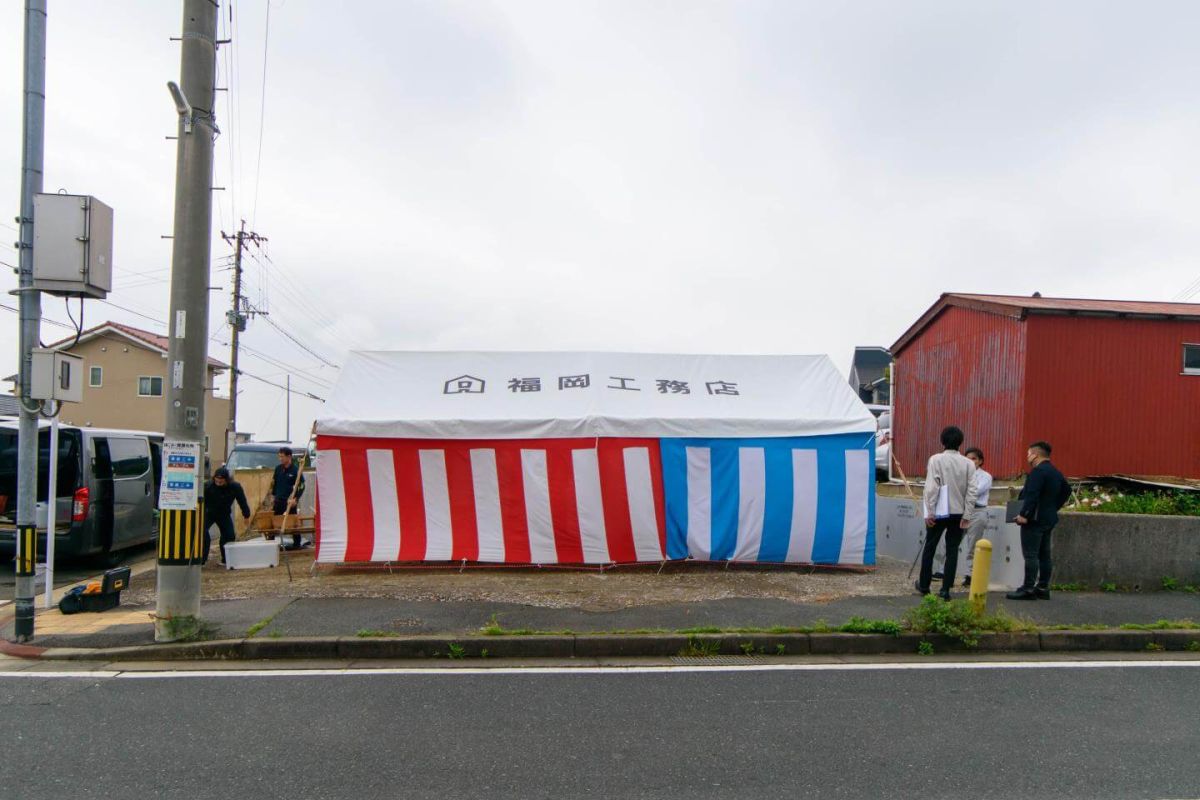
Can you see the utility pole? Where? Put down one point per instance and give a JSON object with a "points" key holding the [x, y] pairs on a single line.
{"points": [[287, 434], [32, 160], [237, 320], [179, 534]]}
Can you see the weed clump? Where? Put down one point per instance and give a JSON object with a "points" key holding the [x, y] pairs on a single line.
{"points": [[958, 619]]}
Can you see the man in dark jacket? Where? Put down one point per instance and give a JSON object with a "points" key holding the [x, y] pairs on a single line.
{"points": [[219, 496], [1045, 492], [287, 475]]}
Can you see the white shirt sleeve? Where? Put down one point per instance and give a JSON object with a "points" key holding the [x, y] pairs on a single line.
{"points": [[983, 482]]}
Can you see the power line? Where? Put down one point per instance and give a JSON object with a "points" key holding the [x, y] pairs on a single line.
{"points": [[262, 114], [131, 311], [289, 292], [1189, 290], [231, 87], [300, 344], [47, 320], [243, 372], [309, 395], [266, 359]]}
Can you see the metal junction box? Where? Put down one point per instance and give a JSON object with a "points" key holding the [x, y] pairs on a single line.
{"points": [[55, 375], [72, 245]]}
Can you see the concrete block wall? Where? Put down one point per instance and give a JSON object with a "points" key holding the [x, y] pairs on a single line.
{"points": [[1131, 550]]}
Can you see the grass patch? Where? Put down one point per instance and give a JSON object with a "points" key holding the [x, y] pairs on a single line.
{"points": [[708, 629], [1069, 587], [493, 628], [861, 625], [455, 651], [925, 648], [205, 631], [1154, 647], [1161, 625], [1082, 626], [1193, 646], [700, 647], [258, 626], [1108, 586], [370, 633]]}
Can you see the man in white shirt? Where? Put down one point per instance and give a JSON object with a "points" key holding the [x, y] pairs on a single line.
{"points": [[949, 500], [983, 488]]}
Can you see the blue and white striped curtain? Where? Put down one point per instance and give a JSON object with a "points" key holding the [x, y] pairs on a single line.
{"points": [[804, 500]]}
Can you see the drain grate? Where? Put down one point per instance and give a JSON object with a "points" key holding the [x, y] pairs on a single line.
{"points": [[718, 661]]}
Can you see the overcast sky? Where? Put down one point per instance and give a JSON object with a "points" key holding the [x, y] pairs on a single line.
{"points": [[744, 177]]}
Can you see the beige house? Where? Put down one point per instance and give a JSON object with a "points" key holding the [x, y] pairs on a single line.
{"points": [[124, 386]]}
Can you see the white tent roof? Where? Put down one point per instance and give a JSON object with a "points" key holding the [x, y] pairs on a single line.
{"points": [[493, 395]]}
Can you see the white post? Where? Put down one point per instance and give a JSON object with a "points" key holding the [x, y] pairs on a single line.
{"points": [[892, 423], [51, 508]]}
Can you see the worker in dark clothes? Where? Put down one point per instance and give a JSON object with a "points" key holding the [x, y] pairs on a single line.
{"points": [[219, 496], [1045, 492], [287, 473]]}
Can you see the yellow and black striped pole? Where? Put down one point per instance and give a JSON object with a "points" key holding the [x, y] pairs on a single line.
{"points": [[181, 537], [26, 569]]}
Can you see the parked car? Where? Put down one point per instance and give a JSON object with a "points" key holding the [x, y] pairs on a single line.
{"points": [[257, 455], [107, 489], [883, 439]]}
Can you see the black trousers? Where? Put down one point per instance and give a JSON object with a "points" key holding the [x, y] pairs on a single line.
{"points": [[280, 507], [952, 527], [225, 527], [1035, 547]]}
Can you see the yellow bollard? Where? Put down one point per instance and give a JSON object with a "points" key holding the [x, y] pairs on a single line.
{"points": [[980, 575]]}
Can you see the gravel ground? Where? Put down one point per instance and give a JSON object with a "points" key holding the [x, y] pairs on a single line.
{"points": [[600, 591]]}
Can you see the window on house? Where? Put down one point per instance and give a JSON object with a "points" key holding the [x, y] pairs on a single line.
{"points": [[1191, 359], [95, 376], [149, 387]]}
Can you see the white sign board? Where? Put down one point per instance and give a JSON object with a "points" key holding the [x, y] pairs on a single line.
{"points": [[181, 476]]}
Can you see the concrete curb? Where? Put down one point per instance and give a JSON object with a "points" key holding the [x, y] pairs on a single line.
{"points": [[616, 646]]}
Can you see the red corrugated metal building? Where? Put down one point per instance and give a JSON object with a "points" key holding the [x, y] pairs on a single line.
{"points": [[1113, 385]]}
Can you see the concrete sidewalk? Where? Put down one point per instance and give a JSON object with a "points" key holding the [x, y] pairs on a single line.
{"points": [[316, 618]]}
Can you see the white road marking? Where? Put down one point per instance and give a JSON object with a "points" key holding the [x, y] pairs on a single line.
{"points": [[613, 670]]}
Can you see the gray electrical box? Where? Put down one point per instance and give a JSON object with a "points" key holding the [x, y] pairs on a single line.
{"points": [[55, 375], [72, 245]]}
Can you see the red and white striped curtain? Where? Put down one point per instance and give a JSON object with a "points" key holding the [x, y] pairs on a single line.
{"points": [[543, 501]]}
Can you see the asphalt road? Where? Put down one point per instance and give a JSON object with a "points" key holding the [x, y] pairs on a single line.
{"points": [[977, 733]]}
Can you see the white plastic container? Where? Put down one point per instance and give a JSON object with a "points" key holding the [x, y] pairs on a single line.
{"points": [[252, 554]]}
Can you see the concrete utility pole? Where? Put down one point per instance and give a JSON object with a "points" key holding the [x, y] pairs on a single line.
{"points": [[32, 157], [237, 320], [179, 534]]}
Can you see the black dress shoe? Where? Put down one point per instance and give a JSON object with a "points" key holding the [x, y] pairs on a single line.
{"points": [[967, 582], [1041, 594], [937, 576], [917, 586], [1021, 594], [944, 595]]}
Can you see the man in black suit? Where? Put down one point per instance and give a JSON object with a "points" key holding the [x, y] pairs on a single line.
{"points": [[1045, 492]]}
